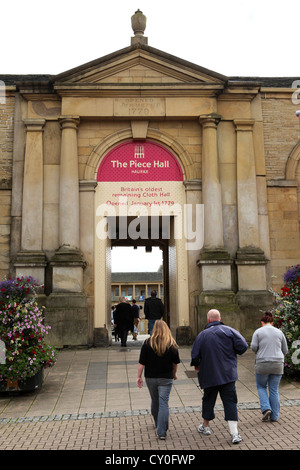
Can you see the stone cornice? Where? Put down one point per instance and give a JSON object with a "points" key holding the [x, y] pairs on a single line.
{"points": [[139, 90]]}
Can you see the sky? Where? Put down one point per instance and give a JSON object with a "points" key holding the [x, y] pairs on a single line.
{"points": [[127, 259], [231, 37]]}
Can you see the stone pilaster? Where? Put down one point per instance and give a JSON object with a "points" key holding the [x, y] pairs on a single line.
{"points": [[87, 227], [250, 258], [31, 259]]}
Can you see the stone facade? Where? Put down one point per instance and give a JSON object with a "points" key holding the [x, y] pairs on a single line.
{"points": [[236, 140]]}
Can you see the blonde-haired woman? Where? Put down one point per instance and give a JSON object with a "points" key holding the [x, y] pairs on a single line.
{"points": [[159, 357]]}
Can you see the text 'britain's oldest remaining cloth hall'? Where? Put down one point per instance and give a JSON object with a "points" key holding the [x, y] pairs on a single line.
{"points": [[140, 132]]}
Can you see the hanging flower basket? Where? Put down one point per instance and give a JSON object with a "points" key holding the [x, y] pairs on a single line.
{"points": [[23, 352]]}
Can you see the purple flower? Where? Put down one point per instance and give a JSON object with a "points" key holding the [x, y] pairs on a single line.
{"points": [[292, 274]]}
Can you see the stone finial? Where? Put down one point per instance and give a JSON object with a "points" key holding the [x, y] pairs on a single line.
{"points": [[138, 24]]}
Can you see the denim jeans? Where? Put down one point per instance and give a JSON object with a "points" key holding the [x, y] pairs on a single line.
{"points": [[150, 326], [271, 401], [160, 389]]}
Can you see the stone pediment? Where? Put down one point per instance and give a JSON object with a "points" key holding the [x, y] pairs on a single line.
{"points": [[139, 66]]}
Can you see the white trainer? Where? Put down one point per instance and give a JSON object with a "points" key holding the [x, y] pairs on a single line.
{"points": [[205, 430], [236, 438]]}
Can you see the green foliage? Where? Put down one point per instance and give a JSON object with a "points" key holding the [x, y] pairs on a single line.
{"points": [[22, 330], [286, 316]]}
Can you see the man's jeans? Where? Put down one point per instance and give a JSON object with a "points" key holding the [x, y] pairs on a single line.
{"points": [[159, 390], [271, 401], [150, 326]]}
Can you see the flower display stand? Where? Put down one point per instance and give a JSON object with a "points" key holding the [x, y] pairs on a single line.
{"points": [[28, 385]]}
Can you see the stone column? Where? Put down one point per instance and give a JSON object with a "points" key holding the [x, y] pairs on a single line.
{"points": [[211, 188], [68, 261], [67, 305], [31, 259], [214, 259], [250, 257], [215, 262], [69, 184]]}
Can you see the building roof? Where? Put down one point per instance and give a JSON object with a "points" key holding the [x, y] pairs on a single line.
{"points": [[48, 80], [269, 82], [146, 277], [273, 82]]}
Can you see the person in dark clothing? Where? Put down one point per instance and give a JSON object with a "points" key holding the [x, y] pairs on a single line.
{"points": [[136, 318], [159, 358], [123, 320], [154, 310], [214, 356]]}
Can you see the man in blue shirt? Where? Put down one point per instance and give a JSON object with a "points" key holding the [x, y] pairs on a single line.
{"points": [[214, 356]]}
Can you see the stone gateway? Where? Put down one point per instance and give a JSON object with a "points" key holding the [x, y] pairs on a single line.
{"points": [[142, 133]]}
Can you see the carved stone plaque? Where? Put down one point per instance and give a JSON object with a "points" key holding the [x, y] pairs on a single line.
{"points": [[139, 107]]}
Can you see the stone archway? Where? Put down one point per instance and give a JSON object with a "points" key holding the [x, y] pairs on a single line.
{"points": [[118, 137], [167, 183], [292, 163]]}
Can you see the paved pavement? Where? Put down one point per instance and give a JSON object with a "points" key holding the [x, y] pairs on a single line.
{"points": [[90, 401]]}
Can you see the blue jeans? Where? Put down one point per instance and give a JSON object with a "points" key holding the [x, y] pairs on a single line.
{"points": [[271, 401], [150, 326], [160, 390]]}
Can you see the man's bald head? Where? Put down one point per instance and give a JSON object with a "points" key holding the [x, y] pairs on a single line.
{"points": [[213, 315]]}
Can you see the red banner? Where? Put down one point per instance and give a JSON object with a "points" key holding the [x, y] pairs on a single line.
{"points": [[139, 161]]}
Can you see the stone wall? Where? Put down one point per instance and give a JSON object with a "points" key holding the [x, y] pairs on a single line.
{"points": [[6, 151], [281, 137], [281, 133], [284, 231]]}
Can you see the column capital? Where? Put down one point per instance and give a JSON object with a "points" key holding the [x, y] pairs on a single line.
{"points": [[69, 122], [244, 124], [193, 185], [34, 125], [87, 185], [212, 119]]}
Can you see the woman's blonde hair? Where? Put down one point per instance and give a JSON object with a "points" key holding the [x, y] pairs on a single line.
{"points": [[161, 339]]}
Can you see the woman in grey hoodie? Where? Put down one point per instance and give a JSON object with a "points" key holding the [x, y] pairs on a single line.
{"points": [[270, 346]]}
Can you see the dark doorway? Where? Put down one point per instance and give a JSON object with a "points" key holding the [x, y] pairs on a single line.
{"points": [[147, 236]]}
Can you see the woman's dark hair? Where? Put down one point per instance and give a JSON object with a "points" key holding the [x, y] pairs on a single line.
{"points": [[267, 317]]}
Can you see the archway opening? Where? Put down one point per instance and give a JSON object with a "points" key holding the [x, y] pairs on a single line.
{"points": [[139, 266], [139, 202]]}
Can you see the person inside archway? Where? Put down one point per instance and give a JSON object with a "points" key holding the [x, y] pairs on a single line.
{"points": [[154, 310], [136, 318], [123, 320]]}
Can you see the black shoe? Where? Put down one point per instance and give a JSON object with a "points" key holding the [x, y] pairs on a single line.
{"points": [[266, 415]]}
